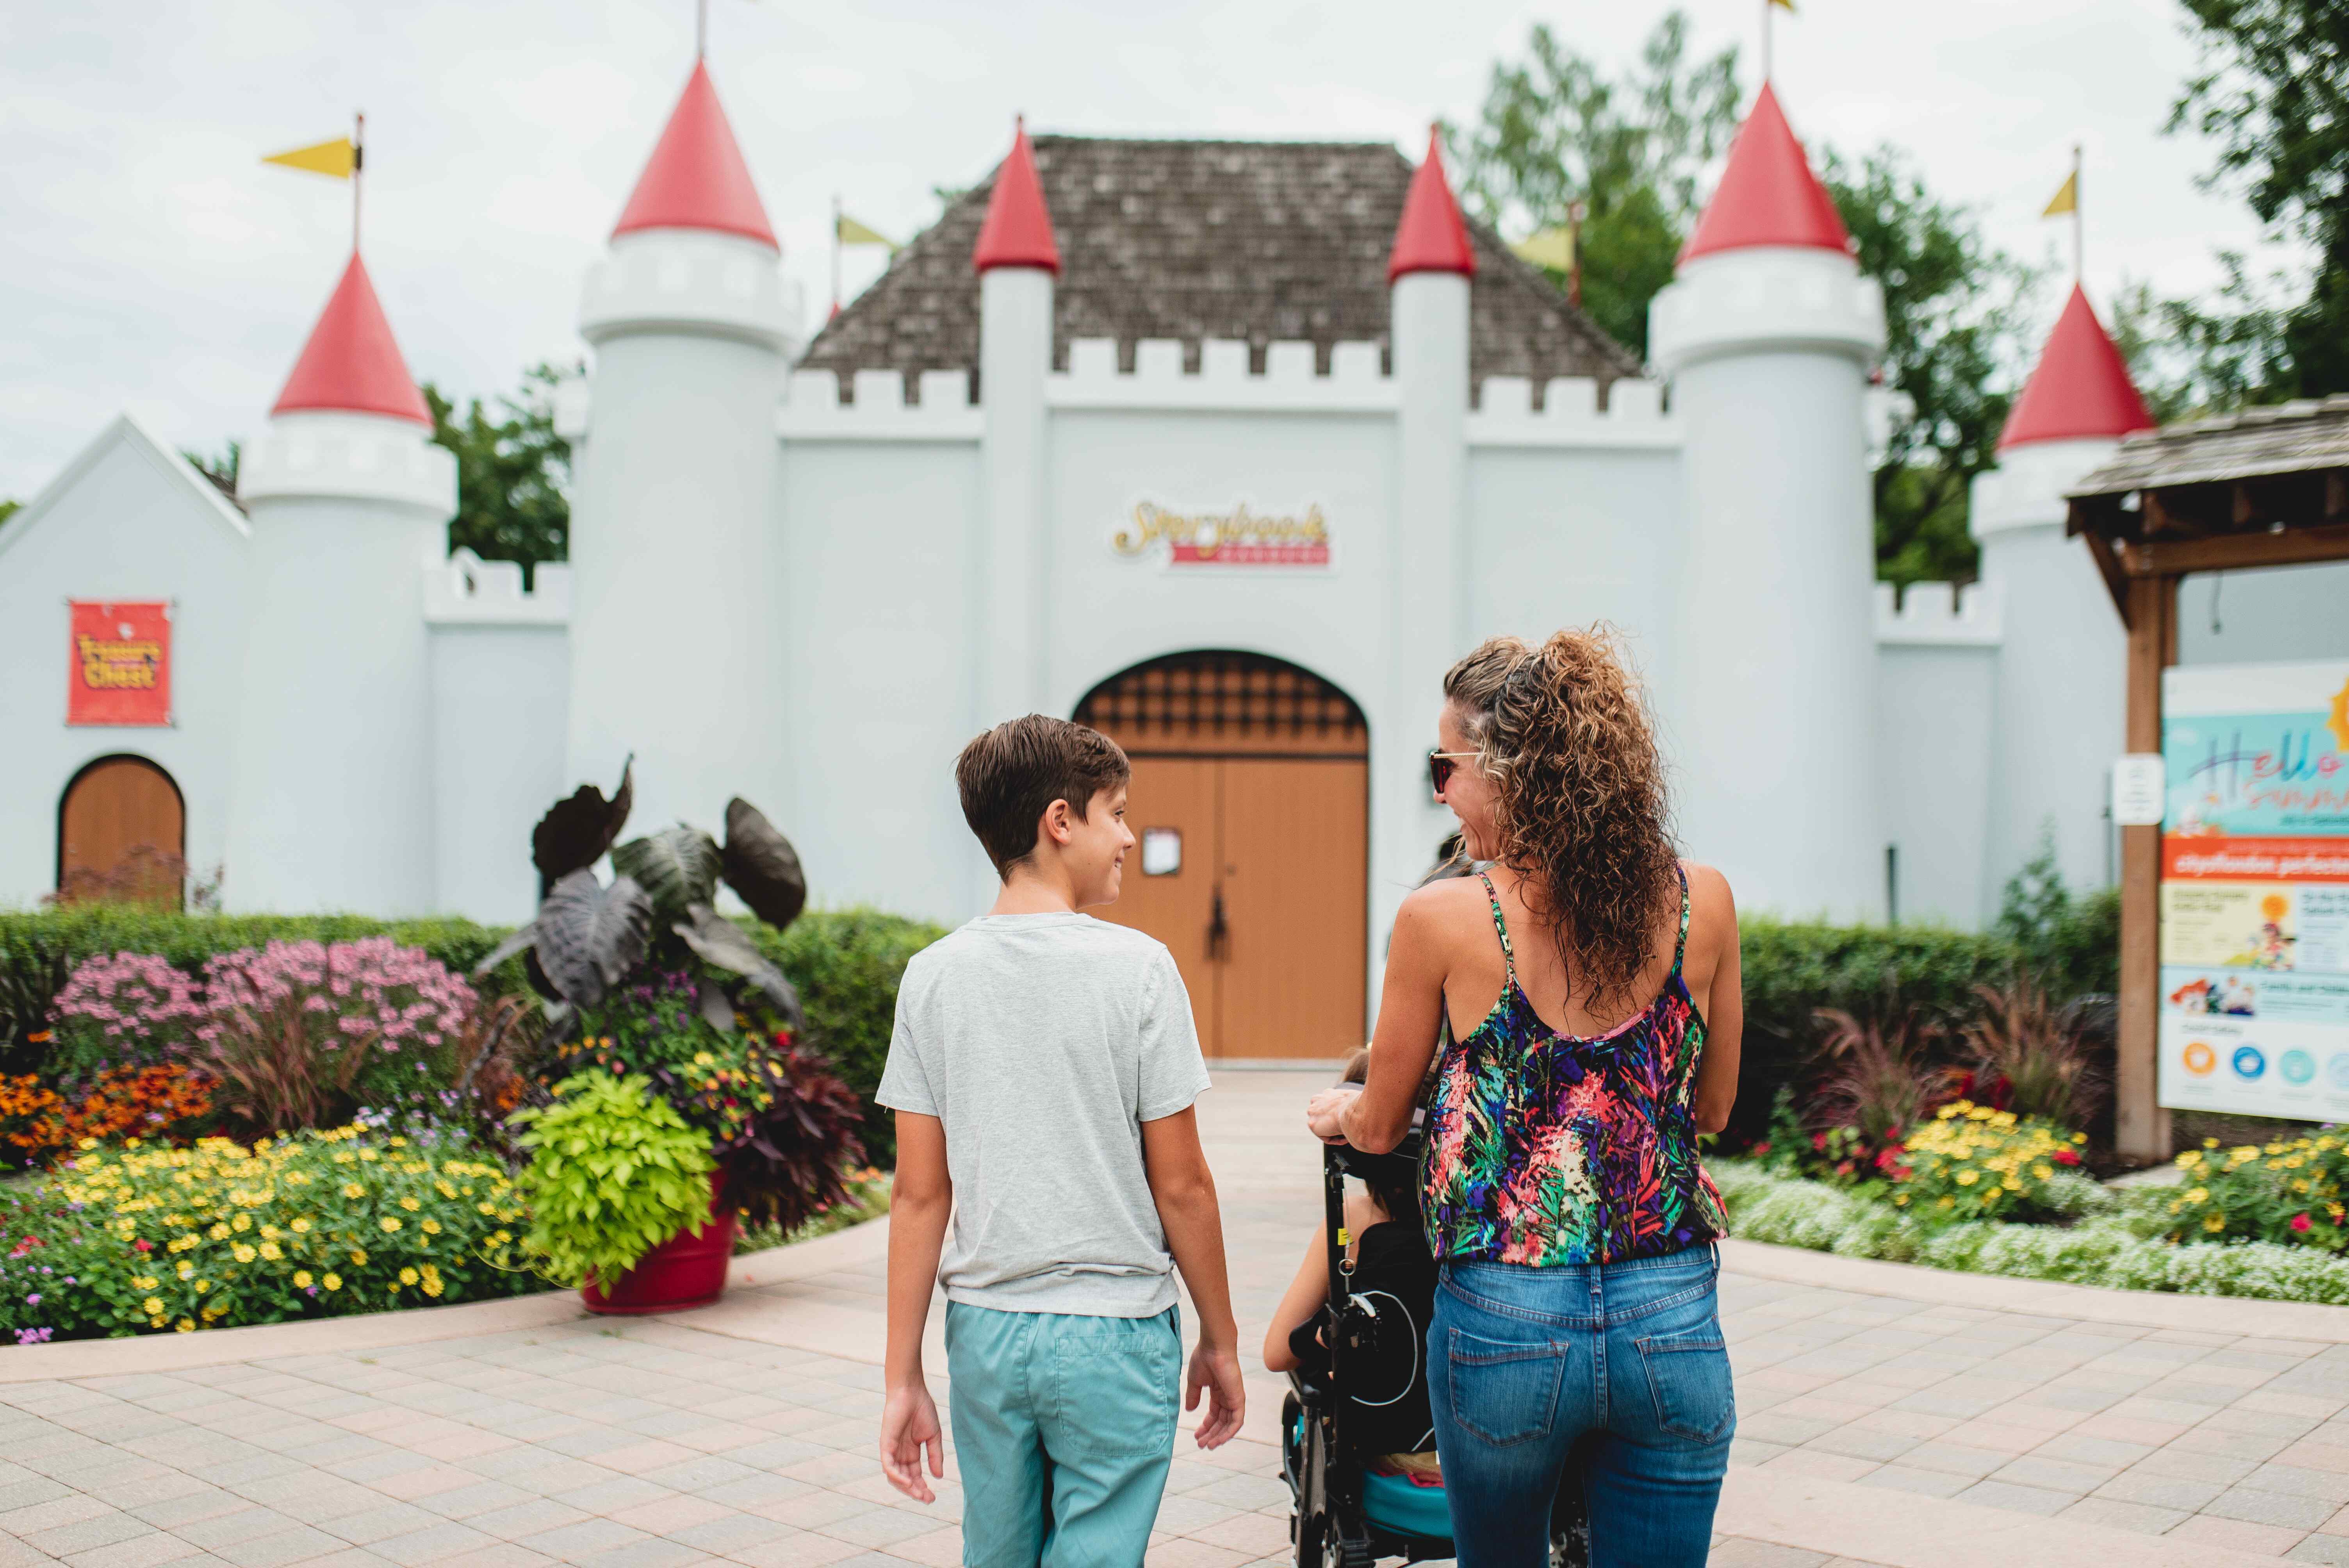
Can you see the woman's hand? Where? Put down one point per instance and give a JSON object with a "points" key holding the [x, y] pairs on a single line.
{"points": [[1324, 1113]]}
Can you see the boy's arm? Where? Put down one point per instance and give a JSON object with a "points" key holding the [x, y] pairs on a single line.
{"points": [[921, 1198], [1183, 1190]]}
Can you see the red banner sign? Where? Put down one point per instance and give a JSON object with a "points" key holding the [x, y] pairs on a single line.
{"points": [[118, 670]]}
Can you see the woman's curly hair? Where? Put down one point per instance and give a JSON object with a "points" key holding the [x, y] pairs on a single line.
{"points": [[1565, 735]]}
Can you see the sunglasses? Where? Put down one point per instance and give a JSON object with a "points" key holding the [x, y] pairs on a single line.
{"points": [[1441, 766]]}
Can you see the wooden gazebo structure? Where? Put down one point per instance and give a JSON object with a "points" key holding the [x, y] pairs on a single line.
{"points": [[2267, 486]]}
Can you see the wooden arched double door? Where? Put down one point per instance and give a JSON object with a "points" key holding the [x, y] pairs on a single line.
{"points": [[1251, 801], [122, 835]]}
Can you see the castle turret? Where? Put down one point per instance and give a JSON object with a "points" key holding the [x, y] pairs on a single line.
{"points": [[1768, 333], [350, 500], [1429, 271], [1017, 260], [678, 617], [2056, 723]]}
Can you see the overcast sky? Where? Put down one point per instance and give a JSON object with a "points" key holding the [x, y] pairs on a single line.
{"points": [[153, 263]]}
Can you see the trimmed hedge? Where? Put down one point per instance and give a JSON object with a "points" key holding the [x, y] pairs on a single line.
{"points": [[847, 963]]}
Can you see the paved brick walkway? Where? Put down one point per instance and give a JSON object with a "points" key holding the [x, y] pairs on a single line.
{"points": [[1876, 1429]]}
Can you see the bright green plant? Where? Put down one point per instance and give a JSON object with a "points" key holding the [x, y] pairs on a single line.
{"points": [[134, 1238], [2291, 1191], [614, 1172], [1971, 1162]]}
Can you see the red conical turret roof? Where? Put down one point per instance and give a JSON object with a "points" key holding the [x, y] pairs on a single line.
{"points": [[1767, 195], [696, 177], [1431, 238], [2082, 387], [1018, 232], [352, 362]]}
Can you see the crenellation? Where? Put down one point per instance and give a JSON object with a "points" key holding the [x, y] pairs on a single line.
{"points": [[1225, 379], [812, 408], [1506, 396], [1943, 614], [1572, 397], [880, 392], [1569, 415], [466, 591]]}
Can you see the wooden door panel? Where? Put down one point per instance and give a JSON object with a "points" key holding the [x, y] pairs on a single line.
{"points": [[117, 806], [1177, 793], [1295, 872]]}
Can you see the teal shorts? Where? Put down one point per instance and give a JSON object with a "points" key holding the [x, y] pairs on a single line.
{"points": [[1063, 1428]]}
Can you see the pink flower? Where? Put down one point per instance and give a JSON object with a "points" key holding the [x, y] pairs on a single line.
{"points": [[2300, 1222]]}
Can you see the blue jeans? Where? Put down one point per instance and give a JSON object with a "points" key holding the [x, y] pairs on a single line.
{"points": [[1064, 1430], [1523, 1361]]}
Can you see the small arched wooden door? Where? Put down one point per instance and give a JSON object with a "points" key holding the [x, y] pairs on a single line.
{"points": [[1251, 801], [121, 835]]}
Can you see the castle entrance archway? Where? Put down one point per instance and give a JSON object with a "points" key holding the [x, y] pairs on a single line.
{"points": [[121, 835], [1251, 800]]}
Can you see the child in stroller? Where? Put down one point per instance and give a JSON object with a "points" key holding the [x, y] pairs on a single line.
{"points": [[1357, 1439]]}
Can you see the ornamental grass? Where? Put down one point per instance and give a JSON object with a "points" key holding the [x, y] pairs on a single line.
{"points": [[140, 1238]]}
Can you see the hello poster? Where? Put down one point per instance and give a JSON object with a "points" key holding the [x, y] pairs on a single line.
{"points": [[2254, 1005], [118, 666]]}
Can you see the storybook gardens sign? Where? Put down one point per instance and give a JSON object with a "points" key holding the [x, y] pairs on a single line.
{"points": [[2254, 1006], [1238, 536]]}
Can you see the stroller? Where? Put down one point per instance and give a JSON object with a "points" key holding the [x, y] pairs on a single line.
{"points": [[1342, 1515]]}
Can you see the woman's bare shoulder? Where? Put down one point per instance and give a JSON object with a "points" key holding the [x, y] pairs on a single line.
{"points": [[1712, 907]]}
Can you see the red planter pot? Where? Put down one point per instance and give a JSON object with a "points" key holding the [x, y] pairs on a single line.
{"points": [[684, 1271]]}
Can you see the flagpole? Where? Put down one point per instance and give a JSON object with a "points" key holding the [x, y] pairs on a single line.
{"points": [[2079, 225], [1765, 41], [700, 28], [359, 163], [835, 253]]}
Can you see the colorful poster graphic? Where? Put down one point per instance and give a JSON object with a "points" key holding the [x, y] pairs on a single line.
{"points": [[2254, 1004], [118, 664]]}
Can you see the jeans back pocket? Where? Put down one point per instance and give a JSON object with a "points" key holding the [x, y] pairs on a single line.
{"points": [[1688, 1376], [1503, 1391]]}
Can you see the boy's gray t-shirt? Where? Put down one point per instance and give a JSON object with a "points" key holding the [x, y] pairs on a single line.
{"points": [[1044, 1042]]}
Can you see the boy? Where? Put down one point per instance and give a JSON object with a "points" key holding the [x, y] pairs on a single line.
{"points": [[1044, 1072]]}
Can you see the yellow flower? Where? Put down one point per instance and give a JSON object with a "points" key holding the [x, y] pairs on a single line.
{"points": [[408, 1276], [431, 1227], [333, 1281], [301, 1226], [353, 1190], [301, 1279], [2199, 1195], [486, 1208], [410, 1204], [219, 1233], [203, 1285], [242, 1221], [185, 1268], [151, 1307], [241, 1253], [2215, 1222], [271, 1251], [1968, 1178], [358, 1257], [185, 1325], [389, 1223]]}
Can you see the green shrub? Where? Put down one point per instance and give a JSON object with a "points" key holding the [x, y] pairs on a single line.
{"points": [[847, 963], [136, 1238], [614, 1172]]}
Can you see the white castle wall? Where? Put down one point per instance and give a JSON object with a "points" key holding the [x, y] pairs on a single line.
{"points": [[127, 520], [879, 519], [501, 676], [331, 805], [1575, 516], [1937, 650]]}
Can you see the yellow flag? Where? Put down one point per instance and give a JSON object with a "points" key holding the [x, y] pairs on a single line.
{"points": [[337, 158], [2067, 199], [852, 232], [1552, 248], [1789, 4]]}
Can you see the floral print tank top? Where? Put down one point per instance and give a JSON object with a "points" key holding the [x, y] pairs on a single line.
{"points": [[1551, 1149]]}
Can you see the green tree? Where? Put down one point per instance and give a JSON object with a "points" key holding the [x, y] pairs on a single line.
{"points": [[1558, 128], [9, 508], [513, 472], [2274, 91], [218, 467], [1954, 338]]}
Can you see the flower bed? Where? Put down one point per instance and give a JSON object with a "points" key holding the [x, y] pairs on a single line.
{"points": [[2119, 1239], [138, 1238]]}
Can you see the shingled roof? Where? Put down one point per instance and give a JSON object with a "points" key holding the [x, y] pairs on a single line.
{"points": [[1262, 242]]}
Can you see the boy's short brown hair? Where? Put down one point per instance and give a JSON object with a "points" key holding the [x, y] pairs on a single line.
{"points": [[1010, 776]]}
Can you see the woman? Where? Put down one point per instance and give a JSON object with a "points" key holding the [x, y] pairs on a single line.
{"points": [[1590, 982]]}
